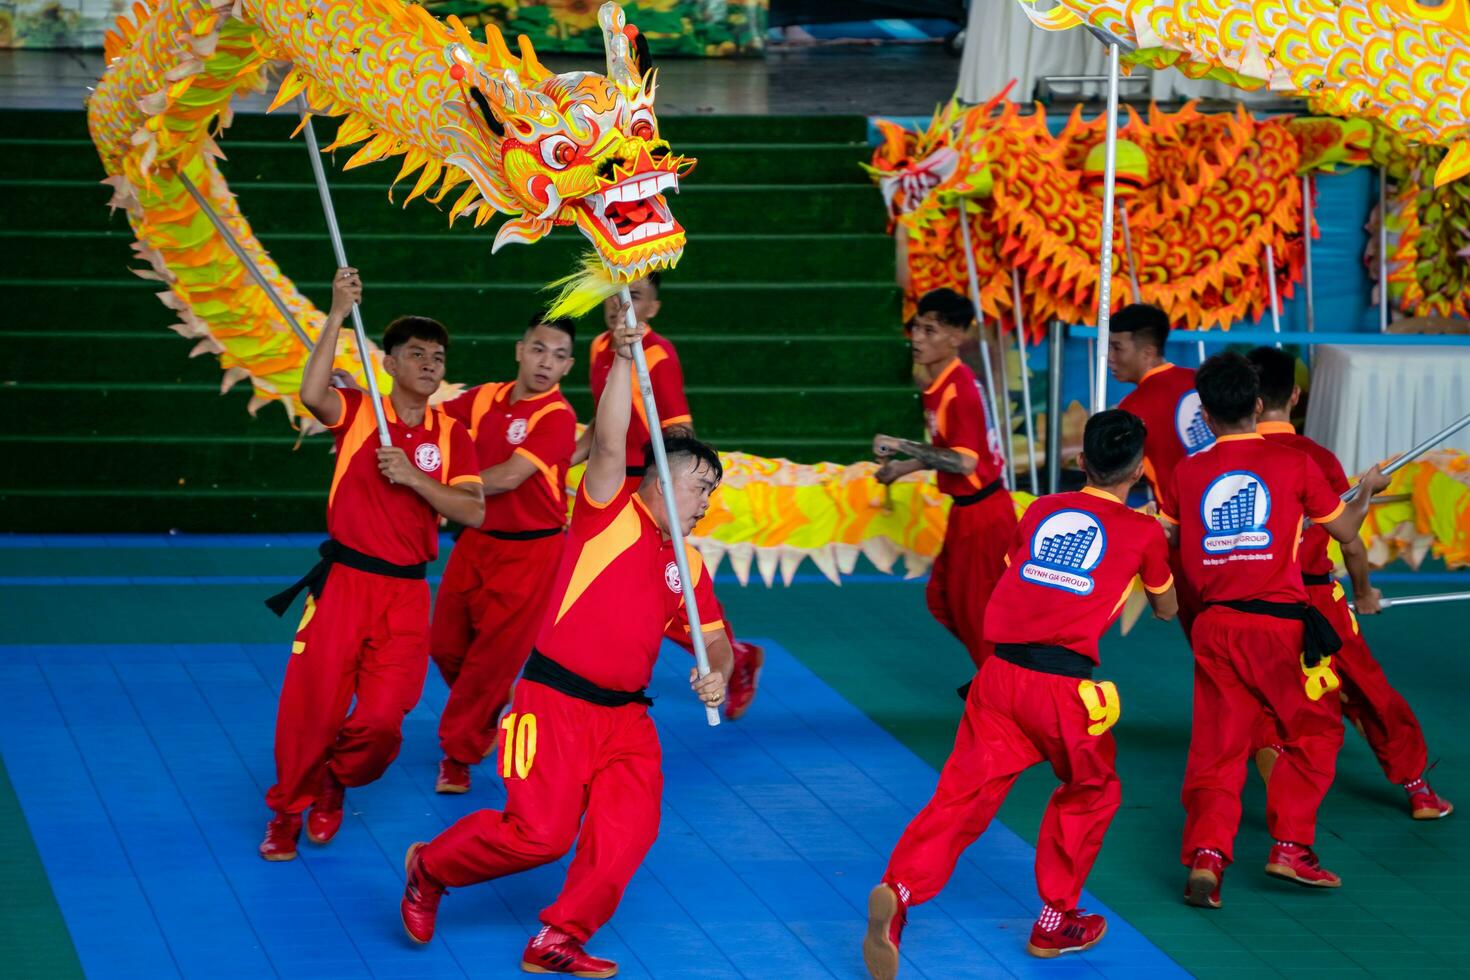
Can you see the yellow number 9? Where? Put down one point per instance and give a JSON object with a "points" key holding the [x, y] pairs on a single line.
{"points": [[1103, 706], [1320, 680], [518, 750]]}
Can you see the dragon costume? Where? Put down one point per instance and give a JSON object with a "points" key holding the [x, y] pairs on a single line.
{"points": [[467, 118]]}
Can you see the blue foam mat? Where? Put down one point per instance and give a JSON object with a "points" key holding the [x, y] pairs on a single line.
{"points": [[140, 770]]}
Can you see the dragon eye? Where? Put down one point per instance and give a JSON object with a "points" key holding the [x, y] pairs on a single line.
{"points": [[558, 152], [642, 127]]}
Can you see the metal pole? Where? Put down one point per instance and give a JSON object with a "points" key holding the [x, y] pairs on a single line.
{"points": [[1002, 436], [1054, 408], [676, 529], [1419, 450], [1128, 248], [1105, 259], [1307, 254], [336, 235], [246, 261], [1021, 349], [1383, 250], [1271, 290], [1419, 600]]}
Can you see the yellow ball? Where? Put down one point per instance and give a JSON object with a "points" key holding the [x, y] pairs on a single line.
{"points": [[1131, 172]]}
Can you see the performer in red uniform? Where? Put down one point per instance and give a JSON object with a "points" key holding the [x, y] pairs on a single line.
{"points": [[963, 449], [1168, 404], [365, 632], [495, 587], [1368, 700], [1236, 511], [667, 377], [1069, 571], [578, 746]]}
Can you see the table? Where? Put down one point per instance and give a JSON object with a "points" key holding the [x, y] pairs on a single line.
{"points": [[1371, 402]]}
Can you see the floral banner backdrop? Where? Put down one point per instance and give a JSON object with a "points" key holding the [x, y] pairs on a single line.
{"points": [[703, 28], [56, 23]]}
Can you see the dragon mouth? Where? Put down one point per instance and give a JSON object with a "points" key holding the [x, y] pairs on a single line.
{"points": [[634, 211]]}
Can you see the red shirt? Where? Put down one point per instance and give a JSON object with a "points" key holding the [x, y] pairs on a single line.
{"points": [[542, 429], [1315, 538], [1166, 401], [668, 388], [1071, 568], [1239, 506], [956, 417], [618, 593], [366, 512]]}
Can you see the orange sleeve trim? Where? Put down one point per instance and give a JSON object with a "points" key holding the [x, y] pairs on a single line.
{"points": [[966, 452], [714, 627], [585, 494], [1336, 513], [467, 478], [1165, 517], [1160, 589], [677, 420], [342, 402], [1008, 560]]}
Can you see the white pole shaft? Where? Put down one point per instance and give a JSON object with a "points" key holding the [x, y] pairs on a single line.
{"points": [[1021, 349], [994, 426], [250, 267], [1419, 450], [1382, 250], [1420, 600], [1128, 249], [666, 481], [1271, 290], [335, 233], [1105, 259], [1307, 253]]}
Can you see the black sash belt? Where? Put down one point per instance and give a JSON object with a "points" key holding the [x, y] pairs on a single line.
{"points": [[1319, 639], [1309, 579], [978, 495], [543, 670], [542, 532], [334, 553], [1046, 659]]}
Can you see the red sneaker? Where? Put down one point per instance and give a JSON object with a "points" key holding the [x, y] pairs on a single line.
{"points": [[744, 679], [1057, 932], [888, 913], [1425, 803], [1202, 888], [325, 818], [454, 777], [421, 896], [281, 835], [553, 951], [1266, 757], [1298, 863]]}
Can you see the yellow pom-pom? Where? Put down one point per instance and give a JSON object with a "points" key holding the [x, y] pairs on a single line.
{"points": [[1130, 175]]}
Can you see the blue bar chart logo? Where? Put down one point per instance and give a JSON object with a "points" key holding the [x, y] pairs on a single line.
{"points": [[1189, 422], [1065, 548], [1234, 511]]}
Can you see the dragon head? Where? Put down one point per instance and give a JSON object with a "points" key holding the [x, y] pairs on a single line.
{"points": [[573, 149]]}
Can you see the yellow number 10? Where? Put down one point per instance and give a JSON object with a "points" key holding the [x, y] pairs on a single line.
{"points": [[518, 748]]}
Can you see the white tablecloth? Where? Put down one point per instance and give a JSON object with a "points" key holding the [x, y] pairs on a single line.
{"points": [[1371, 402]]}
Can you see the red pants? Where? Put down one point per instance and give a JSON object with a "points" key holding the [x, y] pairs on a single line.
{"points": [[969, 564], [1015, 718], [565, 759], [1243, 662], [1368, 700], [486, 616], [367, 638], [1190, 605]]}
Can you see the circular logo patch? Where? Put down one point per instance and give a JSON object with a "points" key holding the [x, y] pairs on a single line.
{"points": [[1065, 548], [671, 577], [426, 457], [516, 434], [1189, 423]]}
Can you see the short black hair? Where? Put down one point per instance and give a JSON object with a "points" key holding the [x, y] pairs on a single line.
{"points": [[407, 328], [1276, 373], [1112, 445], [676, 447], [565, 324], [1228, 387], [1147, 323], [950, 307]]}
